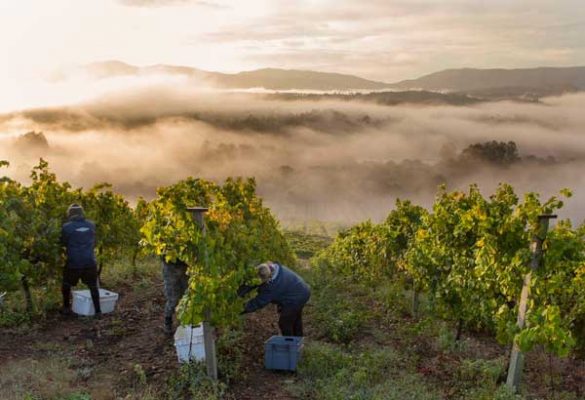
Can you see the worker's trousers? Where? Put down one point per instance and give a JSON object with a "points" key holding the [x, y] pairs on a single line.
{"points": [[175, 283], [291, 321]]}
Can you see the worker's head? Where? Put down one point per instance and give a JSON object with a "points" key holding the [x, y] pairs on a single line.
{"points": [[75, 211], [264, 271]]}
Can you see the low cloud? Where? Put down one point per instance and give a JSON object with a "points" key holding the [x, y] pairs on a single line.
{"points": [[314, 158]]}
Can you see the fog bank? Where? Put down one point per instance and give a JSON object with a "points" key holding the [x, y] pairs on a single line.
{"points": [[325, 158]]}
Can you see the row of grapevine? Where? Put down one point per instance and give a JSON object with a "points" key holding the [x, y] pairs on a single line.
{"points": [[240, 233], [31, 217], [368, 251], [469, 254]]}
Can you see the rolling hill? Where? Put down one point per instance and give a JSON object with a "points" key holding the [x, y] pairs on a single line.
{"points": [[531, 83], [268, 78], [473, 80]]}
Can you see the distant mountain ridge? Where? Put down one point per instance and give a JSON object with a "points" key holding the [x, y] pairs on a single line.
{"points": [[267, 78], [484, 83], [471, 79]]}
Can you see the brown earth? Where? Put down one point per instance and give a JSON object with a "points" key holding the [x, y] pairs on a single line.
{"points": [[127, 350], [259, 383], [126, 355]]}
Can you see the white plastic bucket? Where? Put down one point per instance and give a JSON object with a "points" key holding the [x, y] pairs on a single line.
{"points": [[189, 343], [83, 305]]}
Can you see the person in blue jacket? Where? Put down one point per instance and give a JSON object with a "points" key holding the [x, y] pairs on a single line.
{"points": [[78, 238], [286, 289]]}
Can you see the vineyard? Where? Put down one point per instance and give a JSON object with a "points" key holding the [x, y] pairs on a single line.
{"points": [[469, 257], [423, 305]]}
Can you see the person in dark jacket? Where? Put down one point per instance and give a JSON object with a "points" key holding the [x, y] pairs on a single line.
{"points": [[78, 238], [175, 280], [286, 289]]}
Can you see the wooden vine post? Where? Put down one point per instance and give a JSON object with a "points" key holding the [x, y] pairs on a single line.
{"points": [[415, 302], [198, 214], [517, 357]]}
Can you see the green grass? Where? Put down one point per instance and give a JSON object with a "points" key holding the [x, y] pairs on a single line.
{"points": [[338, 311], [328, 372], [306, 245], [45, 299], [192, 383], [122, 272], [316, 227], [370, 348], [47, 378]]}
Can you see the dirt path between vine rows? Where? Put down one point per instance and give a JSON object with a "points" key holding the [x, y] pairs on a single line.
{"points": [[260, 383], [124, 353]]}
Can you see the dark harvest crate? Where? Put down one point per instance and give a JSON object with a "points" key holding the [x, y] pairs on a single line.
{"points": [[282, 352]]}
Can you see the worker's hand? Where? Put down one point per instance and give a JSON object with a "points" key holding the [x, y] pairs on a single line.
{"points": [[244, 289]]}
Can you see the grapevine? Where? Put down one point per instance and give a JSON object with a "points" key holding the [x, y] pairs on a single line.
{"points": [[470, 255], [241, 233]]}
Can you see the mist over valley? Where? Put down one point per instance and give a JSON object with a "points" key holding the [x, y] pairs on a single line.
{"points": [[342, 155]]}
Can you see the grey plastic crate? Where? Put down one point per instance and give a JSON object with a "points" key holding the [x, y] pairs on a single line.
{"points": [[282, 352]]}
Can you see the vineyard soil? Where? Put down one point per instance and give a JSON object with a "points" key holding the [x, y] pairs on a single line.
{"points": [[125, 355]]}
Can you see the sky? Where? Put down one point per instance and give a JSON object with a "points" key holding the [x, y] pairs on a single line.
{"points": [[42, 41], [378, 39]]}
